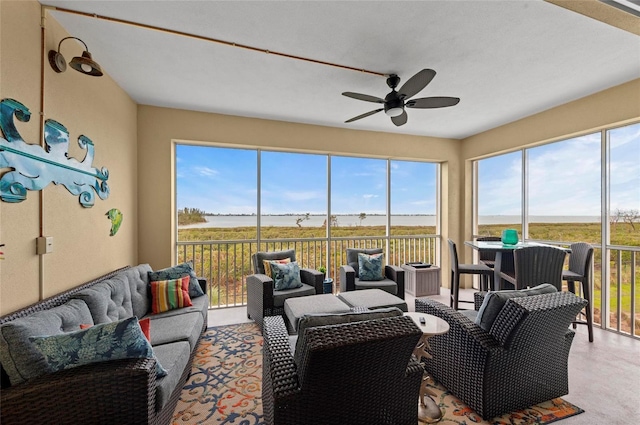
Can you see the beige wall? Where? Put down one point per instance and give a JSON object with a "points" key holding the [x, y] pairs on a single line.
{"points": [[95, 107], [158, 128]]}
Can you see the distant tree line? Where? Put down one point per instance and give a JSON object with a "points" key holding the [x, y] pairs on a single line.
{"points": [[191, 216]]}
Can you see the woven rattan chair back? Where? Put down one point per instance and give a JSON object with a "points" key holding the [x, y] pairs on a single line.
{"points": [[535, 265]]}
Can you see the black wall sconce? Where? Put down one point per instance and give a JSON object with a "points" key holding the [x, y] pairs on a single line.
{"points": [[84, 63]]}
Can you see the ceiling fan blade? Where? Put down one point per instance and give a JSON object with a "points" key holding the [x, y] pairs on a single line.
{"points": [[375, 111], [432, 102], [364, 97], [416, 83], [400, 119]]}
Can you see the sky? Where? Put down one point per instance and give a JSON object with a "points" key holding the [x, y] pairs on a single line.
{"points": [[564, 179]]}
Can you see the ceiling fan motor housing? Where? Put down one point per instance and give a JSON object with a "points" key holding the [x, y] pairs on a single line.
{"points": [[392, 100]]}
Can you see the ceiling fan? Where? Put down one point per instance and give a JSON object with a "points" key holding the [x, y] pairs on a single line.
{"points": [[395, 102]]}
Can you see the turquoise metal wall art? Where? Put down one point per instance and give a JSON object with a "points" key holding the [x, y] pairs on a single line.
{"points": [[34, 167], [115, 216]]}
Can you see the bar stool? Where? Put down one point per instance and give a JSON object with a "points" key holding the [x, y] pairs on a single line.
{"points": [[535, 265], [580, 271], [488, 257], [457, 269]]}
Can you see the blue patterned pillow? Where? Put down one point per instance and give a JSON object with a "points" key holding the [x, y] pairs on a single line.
{"points": [[370, 266], [107, 341], [286, 276], [176, 272]]}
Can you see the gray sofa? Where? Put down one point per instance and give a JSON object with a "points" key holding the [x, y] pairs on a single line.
{"points": [[116, 391]]}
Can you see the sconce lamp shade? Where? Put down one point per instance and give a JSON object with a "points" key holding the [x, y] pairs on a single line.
{"points": [[84, 64]]}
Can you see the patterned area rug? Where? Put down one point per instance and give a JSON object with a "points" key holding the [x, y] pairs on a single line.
{"points": [[224, 387]]}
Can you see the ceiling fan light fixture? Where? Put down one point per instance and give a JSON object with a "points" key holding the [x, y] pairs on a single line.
{"points": [[394, 112]]}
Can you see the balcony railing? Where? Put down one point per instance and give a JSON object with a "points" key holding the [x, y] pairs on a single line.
{"points": [[226, 264], [615, 288]]}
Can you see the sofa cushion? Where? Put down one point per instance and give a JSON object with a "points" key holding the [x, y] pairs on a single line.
{"points": [[495, 300], [19, 357], [352, 256], [170, 294], [183, 327], [199, 305], [285, 276], [370, 266], [122, 339], [386, 285], [139, 287], [174, 358], [311, 320], [109, 300]]}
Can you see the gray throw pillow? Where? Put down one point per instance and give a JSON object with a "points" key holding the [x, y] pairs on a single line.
{"points": [[494, 301]]}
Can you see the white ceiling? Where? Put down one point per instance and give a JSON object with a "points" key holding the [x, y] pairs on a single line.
{"points": [[504, 59]]}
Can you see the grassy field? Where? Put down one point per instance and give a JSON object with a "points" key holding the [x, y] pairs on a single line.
{"points": [[234, 257]]}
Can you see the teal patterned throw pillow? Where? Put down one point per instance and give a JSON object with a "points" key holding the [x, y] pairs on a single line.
{"points": [[107, 341], [370, 266], [176, 272], [285, 276]]}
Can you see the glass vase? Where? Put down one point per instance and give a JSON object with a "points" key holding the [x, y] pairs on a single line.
{"points": [[509, 236]]}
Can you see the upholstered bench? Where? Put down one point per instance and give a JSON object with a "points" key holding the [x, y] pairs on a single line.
{"points": [[372, 299], [295, 308]]}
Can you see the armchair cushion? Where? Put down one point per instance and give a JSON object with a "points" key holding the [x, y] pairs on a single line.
{"points": [[259, 257], [495, 300], [267, 265], [285, 276], [352, 256], [370, 266]]}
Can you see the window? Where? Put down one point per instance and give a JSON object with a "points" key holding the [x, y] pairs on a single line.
{"points": [[217, 186], [413, 198], [499, 197], [358, 195], [563, 189]]}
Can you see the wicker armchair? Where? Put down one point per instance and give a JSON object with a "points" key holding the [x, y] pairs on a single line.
{"points": [[519, 362], [351, 373], [349, 279], [262, 298]]}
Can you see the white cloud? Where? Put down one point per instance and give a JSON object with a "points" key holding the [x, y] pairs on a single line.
{"points": [[205, 171]]}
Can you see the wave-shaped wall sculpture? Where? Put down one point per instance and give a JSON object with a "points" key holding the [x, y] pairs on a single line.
{"points": [[34, 167]]}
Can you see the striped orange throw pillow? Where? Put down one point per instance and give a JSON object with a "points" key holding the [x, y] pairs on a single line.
{"points": [[170, 294]]}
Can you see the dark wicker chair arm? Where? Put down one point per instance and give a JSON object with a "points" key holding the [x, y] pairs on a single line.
{"points": [[478, 299], [118, 391], [347, 278], [458, 323], [312, 277], [262, 284], [280, 374], [203, 284], [396, 273]]}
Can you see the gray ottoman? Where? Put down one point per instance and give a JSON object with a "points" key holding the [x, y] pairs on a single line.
{"points": [[372, 299], [295, 308]]}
